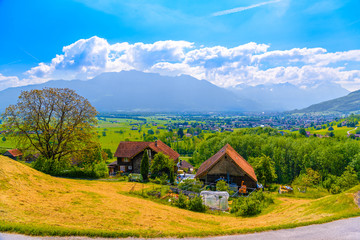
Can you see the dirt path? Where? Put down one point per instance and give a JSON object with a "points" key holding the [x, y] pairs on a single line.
{"points": [[357, 198], [348, 132], [342, 229]]}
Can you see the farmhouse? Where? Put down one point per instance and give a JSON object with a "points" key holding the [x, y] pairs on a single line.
{"points": [[15, 154], [129, 155], [227, 164]]}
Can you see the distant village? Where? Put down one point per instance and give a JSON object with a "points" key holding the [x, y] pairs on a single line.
{"points": [[222, 123]]}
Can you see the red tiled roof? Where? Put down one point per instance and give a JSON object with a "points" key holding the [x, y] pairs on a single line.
{"points": [[15, 152], [131, 149], [239, 160]]}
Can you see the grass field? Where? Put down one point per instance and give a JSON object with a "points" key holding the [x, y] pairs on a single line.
{"points": [[338, 131], [35, 203]]}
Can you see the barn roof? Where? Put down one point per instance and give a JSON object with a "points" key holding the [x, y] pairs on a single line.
{"points": [[15, 152], [237, 158], [131, 149]]}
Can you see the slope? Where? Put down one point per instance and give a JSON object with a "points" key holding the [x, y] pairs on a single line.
{"points": [[346, 104], [35, 203]]}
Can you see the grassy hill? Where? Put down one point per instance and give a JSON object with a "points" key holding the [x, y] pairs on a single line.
{"points": [[346, 104], [35, 203]]}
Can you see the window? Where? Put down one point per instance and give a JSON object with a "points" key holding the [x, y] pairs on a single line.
{"points": [[126, 160], [122, 168]]}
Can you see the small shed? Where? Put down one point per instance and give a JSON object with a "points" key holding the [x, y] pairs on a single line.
{"points": [[15, 154], [217, 200], [185, 166]]}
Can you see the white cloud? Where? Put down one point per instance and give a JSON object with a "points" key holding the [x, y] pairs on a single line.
{"points": [[249, 63], [14, 81]]}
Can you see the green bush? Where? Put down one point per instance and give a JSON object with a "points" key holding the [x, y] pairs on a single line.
{"points": [[192, 185], [246, 207], [182, 201], [251, 205], [347, 180], [222, 186], [196, 204]]}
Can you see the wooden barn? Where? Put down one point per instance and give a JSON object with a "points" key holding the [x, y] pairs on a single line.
{"points": [[227, 164], [15, 154], [129, 155]]}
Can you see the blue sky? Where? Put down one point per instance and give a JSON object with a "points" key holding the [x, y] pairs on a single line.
{"points": [[34, 32]]}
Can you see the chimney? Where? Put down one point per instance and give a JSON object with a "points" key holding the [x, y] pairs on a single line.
{"points": [[155, 143]]}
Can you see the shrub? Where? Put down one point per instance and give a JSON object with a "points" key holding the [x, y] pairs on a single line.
{"points": [[308, 179], [347, 180], [222, 186], [182, 201], [191, 185], [196, 204], [246, 207], [51, 166], [251, 205]]}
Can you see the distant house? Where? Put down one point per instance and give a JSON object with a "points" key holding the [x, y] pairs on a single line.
{"points": [[185, 166], [15, 154], [129, 155], [227, 164]]}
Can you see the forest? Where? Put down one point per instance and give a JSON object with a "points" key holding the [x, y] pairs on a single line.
{"points": [[292, 154]]}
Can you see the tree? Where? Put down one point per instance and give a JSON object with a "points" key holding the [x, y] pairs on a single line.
{"points": [[56, 122], [109, 153], [144, 167], [302, 131], [162, 164], [264, 168], [180, 132]]}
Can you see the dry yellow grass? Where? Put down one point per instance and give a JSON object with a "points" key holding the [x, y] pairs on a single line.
{"points": [[30, 198]]}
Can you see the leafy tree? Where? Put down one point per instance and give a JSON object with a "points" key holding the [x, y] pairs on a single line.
{"points": [[264, 168], [150, 131], [180, 133], [3, 139], [302, 131], [308, 179], [56, 122], [109, 153], [161, 164], [144, 167]]}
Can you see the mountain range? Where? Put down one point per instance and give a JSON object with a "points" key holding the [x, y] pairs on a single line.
{"points": [[286, 96], [150, 92]]}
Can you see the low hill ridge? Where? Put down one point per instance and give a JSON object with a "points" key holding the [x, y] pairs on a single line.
{"points": [[346, 104]]}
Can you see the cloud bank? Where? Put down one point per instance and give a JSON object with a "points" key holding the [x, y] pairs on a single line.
{"points": [[250, 63]]}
